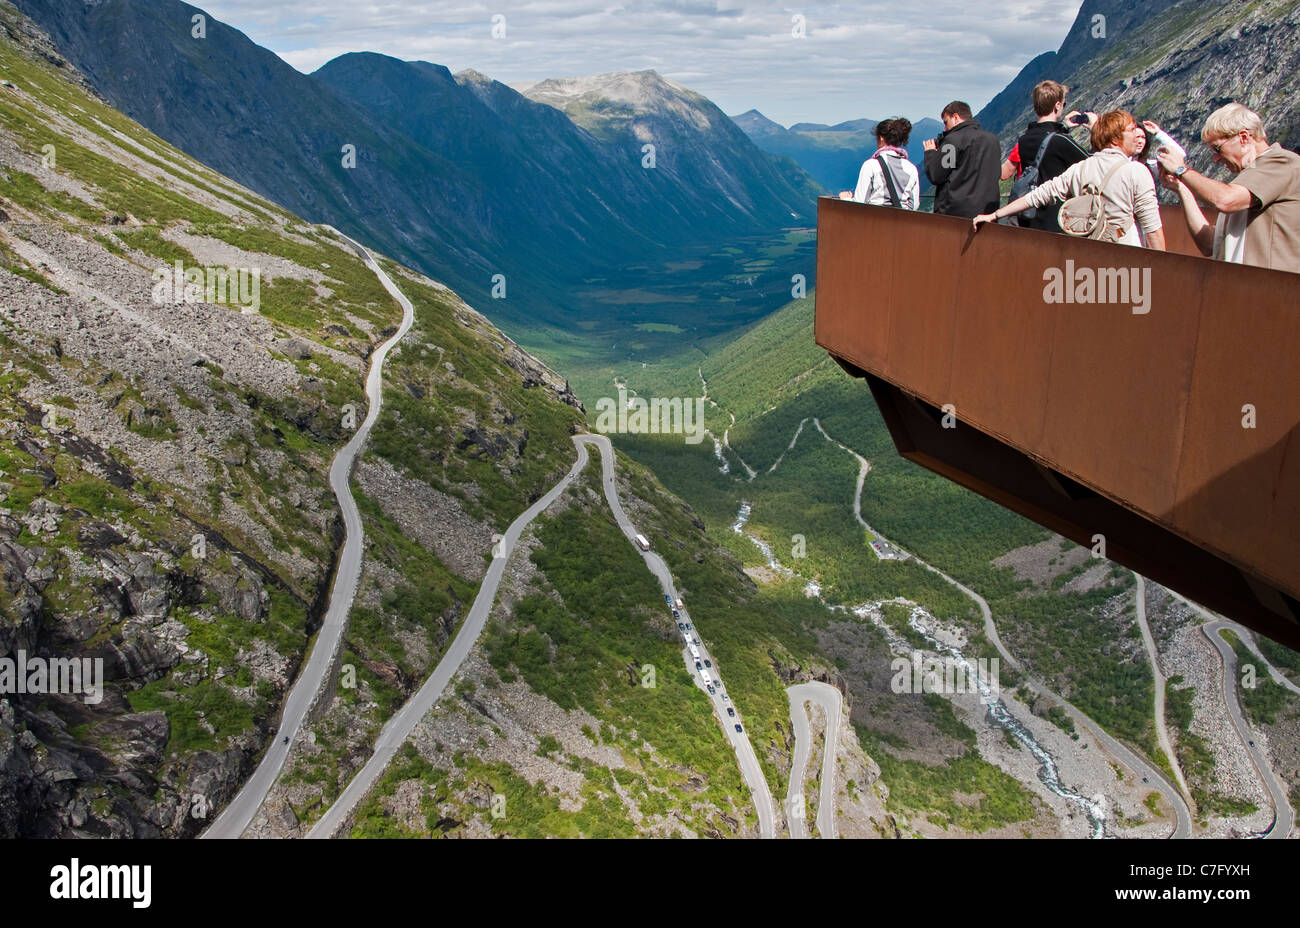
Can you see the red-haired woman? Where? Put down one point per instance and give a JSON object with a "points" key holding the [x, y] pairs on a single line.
{"points": [[1128, 191]]}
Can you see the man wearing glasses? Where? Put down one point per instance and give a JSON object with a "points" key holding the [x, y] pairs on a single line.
{"points": [[1259, 221]]}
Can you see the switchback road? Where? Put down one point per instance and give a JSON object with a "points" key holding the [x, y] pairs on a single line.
{"points": [[829, 698], [236, 816]]}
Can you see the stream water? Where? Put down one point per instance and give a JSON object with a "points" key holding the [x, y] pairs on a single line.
{"points": [[998, 712]]}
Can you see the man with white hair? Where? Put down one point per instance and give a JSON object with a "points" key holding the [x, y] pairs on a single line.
{"points": [[1259, 221]]}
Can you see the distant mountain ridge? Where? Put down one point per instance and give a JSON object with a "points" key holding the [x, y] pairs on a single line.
{"points": [[458, 175], [833, 155], [695, 144]]}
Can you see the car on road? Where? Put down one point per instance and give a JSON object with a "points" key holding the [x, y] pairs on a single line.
{"points": [[682, 627], [708, 663], [688, 625], [739, 729], [711, 690], [668, 599], [726, 698], [731, 712], [676, 614], [699, 666], [679, 603]]}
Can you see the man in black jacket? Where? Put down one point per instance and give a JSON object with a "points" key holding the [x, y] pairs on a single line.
{"points": [[964, 164], [1061, 152]]}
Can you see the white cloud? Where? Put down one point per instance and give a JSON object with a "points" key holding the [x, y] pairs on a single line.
{"points": [[858, 59]]}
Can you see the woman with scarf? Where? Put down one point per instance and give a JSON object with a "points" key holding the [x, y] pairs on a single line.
{"points": [[887, 177]]}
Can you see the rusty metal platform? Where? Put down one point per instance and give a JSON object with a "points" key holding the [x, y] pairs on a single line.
{"points": [[1087, 417]]}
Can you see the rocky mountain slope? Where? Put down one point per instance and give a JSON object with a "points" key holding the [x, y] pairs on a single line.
{"points": [[696, 148], [164, 503], [833, 155], [1173, 61], [460, 177]]}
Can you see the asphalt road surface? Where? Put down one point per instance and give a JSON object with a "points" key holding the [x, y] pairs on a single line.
{"points": [[745, 756], [829, 698], [1283, 814], [399, 728], [236, 816], [1162, 730]]}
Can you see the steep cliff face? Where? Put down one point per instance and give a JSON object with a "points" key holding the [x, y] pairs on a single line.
{"points": [[165, 512], [1173, 61]]}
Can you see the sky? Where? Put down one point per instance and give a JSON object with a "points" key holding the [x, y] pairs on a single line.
{"points": [[824, 62]]}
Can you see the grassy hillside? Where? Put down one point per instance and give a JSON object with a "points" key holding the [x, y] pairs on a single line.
{"points": [[772, 378], [164, 502]]}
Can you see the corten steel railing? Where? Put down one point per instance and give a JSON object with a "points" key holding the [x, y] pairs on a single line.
{"points": [[1087, 417]]}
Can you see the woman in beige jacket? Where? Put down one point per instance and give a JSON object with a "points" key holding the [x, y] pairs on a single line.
{"points": [[1130, 196]]}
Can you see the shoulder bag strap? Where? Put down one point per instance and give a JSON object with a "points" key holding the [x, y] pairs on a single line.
{"points": [[889, 181], [1042, 150]]}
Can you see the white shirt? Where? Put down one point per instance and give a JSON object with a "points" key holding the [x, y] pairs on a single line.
{"points": [[873, 190], [1230, 237]]}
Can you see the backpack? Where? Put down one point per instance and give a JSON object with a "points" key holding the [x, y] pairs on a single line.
{"points": [[1027, 182], [1084, 216]]}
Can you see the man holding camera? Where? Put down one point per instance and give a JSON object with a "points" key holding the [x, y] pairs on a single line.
{"points": [[963, 165], [1061, 151]]}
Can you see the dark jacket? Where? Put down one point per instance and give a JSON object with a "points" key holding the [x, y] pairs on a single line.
{"points": [[1061, 154], [965, 175]]}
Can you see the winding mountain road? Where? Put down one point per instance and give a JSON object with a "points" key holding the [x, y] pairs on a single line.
{"points": [[1128, 757], [1162, 729], [830, 699], [399, 727], [236, 816], [745, 756], [1283, 814]]}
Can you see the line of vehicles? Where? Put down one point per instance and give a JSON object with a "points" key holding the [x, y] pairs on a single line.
{"points": [[704, 666]]}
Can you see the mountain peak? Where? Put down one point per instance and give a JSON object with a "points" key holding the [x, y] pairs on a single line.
{"points": [[639, 91], [753, 123]]}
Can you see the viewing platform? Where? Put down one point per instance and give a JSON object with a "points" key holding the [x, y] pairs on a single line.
{"points": [[1148, 401]]}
